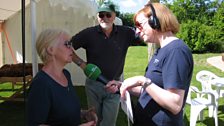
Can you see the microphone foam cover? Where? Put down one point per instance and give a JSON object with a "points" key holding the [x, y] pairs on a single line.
{"points": [[92, 71]]}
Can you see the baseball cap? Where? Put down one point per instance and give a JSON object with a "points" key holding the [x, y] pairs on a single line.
{"points": [[107, 7]]}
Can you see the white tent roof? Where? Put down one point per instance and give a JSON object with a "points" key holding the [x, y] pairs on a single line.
{"points": [[10, 10], [10, 7]]}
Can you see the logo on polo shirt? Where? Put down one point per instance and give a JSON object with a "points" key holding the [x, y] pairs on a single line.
{"points": [[156, 61]]}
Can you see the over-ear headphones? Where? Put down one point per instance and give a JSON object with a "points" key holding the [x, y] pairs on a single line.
{"points": [[153, 20]]}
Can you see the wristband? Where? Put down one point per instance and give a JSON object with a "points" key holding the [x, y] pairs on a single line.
{"points": [[147, 83], [79, 62]]}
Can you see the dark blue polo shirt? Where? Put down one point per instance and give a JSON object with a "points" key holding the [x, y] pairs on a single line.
{"points": [[108, 53], [170, 67]]}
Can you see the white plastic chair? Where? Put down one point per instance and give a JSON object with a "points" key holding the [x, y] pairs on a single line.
{"points": [[198, 104], [205, 78]]}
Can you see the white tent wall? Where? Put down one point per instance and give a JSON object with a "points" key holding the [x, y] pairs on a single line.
{"points": [[1, 61], [46, 17]]}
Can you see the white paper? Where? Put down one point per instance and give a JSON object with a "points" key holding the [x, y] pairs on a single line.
{"points": [[126, 106]]}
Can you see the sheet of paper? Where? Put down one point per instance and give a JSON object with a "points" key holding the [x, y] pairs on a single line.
{"points": [[126, 106]]}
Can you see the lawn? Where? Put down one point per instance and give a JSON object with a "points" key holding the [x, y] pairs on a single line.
{"points": [[13, 113]]}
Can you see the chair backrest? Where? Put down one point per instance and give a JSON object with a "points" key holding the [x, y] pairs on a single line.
{"points": [[188, 100], [205, 78], [192, 89]]}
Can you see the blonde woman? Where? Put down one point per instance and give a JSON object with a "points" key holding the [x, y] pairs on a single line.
{"points": [[52, 99]]}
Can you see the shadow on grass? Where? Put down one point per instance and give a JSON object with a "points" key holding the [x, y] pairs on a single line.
{"points": [[186, 121], [8, 90], [221, 109], [12, 113], [211, 121]]}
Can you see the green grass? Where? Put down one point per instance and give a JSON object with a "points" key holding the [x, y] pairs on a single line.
{"points": [[13, 113]]}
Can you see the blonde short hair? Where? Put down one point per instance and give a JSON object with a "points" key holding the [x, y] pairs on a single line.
{"points": [[48, 38], [167, 20]]}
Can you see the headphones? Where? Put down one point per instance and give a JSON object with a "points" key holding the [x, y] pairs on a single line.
{"points": [[153, 20]]}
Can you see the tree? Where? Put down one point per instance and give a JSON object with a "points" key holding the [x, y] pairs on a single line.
{"points": [[154, 1], [127, 19], [192, 10], [218, 22], [100, 2], [201, 24]]}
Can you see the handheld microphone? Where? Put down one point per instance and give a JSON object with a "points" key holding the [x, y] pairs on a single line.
{"points": [[94, 73], [102, 79]]}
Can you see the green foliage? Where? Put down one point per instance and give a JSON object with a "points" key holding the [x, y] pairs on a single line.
{"points": [[192, 9], [202, 24], [127, 19], [218, 22], [99, 2], [200, 37]]}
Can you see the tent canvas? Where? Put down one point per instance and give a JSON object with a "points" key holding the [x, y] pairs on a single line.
{"points": [[72, 17]]}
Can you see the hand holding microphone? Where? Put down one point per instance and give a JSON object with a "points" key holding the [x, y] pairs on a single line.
{"points": [[94, 73], [113, 86]]}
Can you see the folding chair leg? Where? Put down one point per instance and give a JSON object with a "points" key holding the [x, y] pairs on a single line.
{"points": [[215, 115], [201, 115], [195, 111], [210, 111]]}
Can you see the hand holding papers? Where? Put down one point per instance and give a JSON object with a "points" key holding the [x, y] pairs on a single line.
{"points": [[126, 106], [133, 83]]}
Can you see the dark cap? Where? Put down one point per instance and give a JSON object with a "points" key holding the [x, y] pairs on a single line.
{"points": [[107, 7]]}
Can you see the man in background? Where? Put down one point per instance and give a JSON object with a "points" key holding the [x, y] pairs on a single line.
{"points": [[106, 46]]}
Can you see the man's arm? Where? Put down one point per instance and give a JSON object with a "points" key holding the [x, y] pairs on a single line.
{"points": [[78, 61]]}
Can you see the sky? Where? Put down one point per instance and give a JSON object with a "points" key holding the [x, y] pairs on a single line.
{"points": [[130, 6]]}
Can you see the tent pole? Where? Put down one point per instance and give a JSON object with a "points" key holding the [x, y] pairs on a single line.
{"points": [[33, 36], [23, 46]]}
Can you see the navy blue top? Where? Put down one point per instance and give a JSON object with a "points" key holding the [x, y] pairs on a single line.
{"points": [[52, 104], [170, 67], [108, 53]]}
